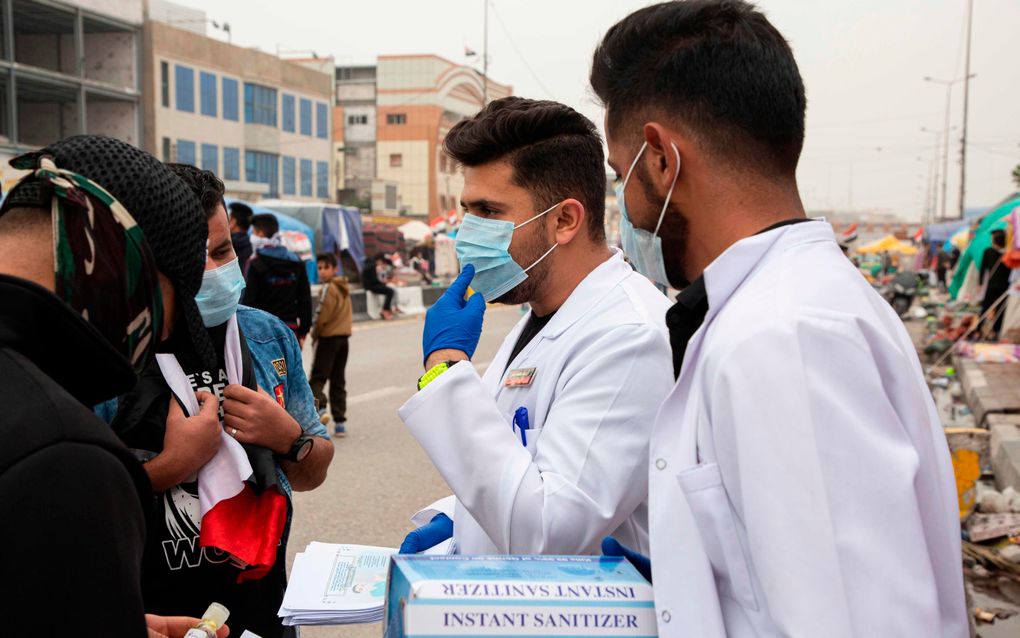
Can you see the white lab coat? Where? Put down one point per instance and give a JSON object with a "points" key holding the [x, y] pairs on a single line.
{"points": [[603, 366], [800, 482]]}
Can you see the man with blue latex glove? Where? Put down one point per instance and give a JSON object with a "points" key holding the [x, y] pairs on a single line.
{"points": [[546, 448], [428, 535], [453, 325], [612, 547]]}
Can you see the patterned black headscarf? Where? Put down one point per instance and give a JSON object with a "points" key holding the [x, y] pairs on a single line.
{"points": [[167, 211]]}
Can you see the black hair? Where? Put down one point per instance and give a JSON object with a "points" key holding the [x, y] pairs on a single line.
{"points": [[718, 67], [999, 237], [554, 151], [206, 186], [266, 224], [242, 214], [329, 258]]}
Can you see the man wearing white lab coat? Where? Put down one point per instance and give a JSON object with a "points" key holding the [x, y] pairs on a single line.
{"points": [[800, 482], [588, 365]]}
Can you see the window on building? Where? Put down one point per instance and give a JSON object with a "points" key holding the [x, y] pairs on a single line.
{"points": [[184, 88], [287, 112], [166, 150], [321, 122], [391, 197], [262, 168], [185, 152], [357, 119], [211, 157], [396, 118], [306, 117], [322, 179], [230, 111], [306, 178], [164, 83], [442, 203], [396, 160], [289, 169], [231, 162], [259, 104], [207, 93]]}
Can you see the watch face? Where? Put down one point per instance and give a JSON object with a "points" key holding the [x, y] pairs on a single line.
{"points": [[304, 450]]}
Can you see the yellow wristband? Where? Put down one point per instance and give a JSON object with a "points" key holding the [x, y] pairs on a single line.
{"points": [[434, 373]]}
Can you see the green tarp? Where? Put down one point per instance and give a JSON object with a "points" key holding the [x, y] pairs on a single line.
{"points": [[996, 218]]}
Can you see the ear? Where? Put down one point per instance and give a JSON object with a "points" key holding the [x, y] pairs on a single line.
{"points": [[571, 219], [660, 159]]}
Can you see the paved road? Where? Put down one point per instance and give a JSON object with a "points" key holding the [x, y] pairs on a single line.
{"points": [[379, 476]]}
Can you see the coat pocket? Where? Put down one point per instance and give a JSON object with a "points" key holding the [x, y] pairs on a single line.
{"points": [[703, 487], [531, 436]]}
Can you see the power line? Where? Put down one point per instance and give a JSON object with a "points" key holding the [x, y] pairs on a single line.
{"points": [[520, 55]]}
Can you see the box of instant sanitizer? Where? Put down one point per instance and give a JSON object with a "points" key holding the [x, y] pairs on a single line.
{"points": [[517, 596]]}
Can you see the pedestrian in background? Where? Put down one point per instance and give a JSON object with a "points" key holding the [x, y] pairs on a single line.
{"points": [[372, 277], [994, 276], [240, 223], [330, 335], [277, 280]]}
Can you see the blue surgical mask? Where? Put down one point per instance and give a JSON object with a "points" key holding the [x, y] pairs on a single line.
{"points": [[485, 244], [220, 293], [644, 249]]}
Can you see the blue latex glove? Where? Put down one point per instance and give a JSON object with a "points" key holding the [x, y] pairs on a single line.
{"points": [[612, 547], [452, 323], [428, 535]]}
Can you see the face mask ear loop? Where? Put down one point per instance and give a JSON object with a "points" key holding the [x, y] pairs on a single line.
{"points": [[669, 194], [525, 223], [539, 260], [630, 170]]}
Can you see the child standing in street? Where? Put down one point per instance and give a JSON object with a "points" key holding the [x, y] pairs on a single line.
{"points": [[330, 334]]}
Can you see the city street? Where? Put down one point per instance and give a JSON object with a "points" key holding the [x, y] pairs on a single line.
{"points": [[379, 476]]}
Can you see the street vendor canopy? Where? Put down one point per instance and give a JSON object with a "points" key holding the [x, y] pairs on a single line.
{"points": [[998, 217], [888, 244]]}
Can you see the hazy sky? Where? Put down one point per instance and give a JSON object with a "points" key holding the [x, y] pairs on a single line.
{"points": [[863, 63]]}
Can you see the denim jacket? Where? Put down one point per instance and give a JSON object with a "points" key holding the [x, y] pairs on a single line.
{"points": [[279, 370]]}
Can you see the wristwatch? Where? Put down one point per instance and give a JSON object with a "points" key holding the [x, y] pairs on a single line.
{"points": [[301, 448], [434, 372]]}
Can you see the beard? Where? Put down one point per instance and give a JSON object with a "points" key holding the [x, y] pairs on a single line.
{"points": [[532, 248], [672, 232]]}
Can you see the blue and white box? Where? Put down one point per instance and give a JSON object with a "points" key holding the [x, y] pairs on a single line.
{"points": [[432, 596]]}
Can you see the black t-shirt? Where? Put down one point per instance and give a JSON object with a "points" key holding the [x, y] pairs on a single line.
{"points": [[179, 577], [531, 328]]}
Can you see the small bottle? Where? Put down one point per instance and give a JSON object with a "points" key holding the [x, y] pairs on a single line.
{"points": [[214, 618]]}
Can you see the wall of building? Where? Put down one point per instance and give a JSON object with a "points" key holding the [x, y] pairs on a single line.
{"points": [[111, 58], [113, 118], [130, 11], [178, 47]]}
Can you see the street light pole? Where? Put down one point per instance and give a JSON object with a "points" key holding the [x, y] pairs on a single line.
{"points": [[945, 159], [966, 99]]}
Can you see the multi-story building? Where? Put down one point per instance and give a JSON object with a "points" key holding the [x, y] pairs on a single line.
{"points": [[396, 116], [263, 124], [66, 68]]}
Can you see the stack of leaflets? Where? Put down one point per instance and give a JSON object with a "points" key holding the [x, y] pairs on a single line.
{"points": [[336, 585], [517, 596]]}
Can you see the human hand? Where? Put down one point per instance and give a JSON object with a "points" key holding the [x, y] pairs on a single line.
{"points": [[452, 323], [176, 626], [428, 535], [256, 418], [190, 442], [612, 547]]}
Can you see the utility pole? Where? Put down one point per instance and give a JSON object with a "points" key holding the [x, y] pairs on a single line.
{"points": [[945, 159], [485, 58], [933, 174], [966, 99]]}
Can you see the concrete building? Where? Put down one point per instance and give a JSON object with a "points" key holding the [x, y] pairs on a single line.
{"points": [[396, 116], [67, 68], [263, 124]]}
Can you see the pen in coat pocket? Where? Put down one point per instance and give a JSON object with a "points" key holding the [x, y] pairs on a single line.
{"points": [[521, 420]]}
